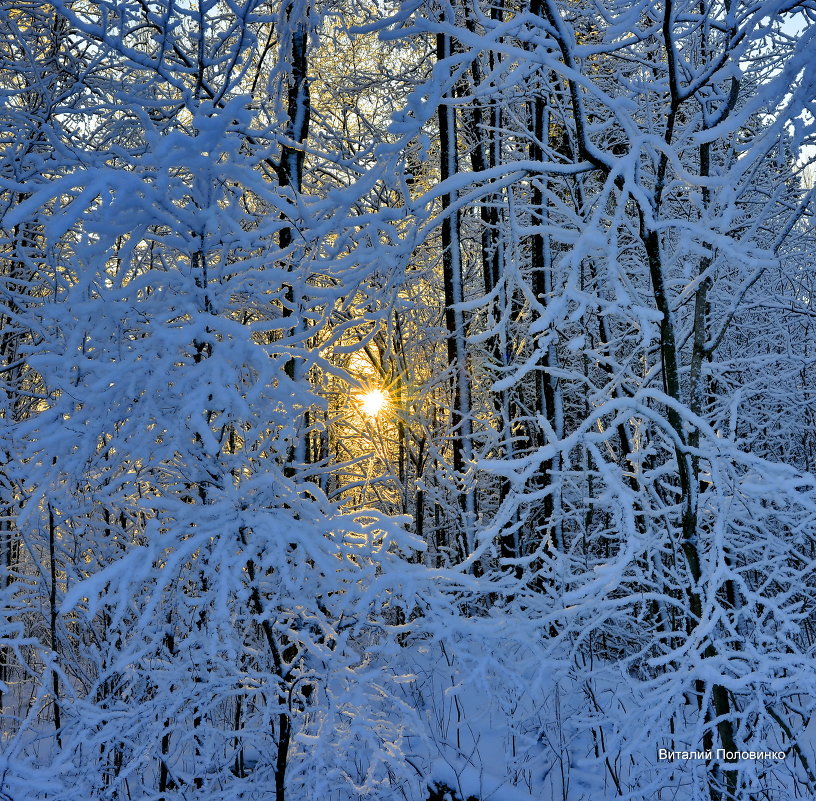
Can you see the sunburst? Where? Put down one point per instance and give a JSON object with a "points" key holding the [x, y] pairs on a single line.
{"points": [[373, 402]]}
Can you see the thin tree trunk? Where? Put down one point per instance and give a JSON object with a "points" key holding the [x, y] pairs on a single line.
{"points": [[11, 337], [461, 421], [485, 153], [165, 781], [52, 622], [290, 174], [548, 393]]}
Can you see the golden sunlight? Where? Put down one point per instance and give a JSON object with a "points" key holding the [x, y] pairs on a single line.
{"points": [[374, 401]]}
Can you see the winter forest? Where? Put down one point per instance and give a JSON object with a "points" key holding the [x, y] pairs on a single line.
{"points": [[407, 400]]}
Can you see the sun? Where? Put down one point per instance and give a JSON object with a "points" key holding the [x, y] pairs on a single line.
{"points": [[374, 401]]}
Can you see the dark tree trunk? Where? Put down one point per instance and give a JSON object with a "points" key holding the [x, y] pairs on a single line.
{"points": [[461, 422]]}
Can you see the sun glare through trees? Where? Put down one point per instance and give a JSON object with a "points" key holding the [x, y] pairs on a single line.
{"points": [[373, 402], [407, 400]]}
